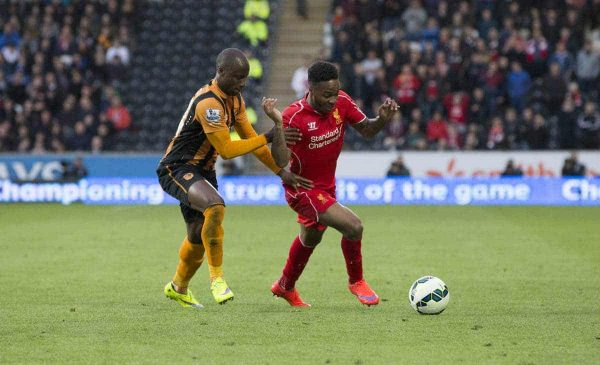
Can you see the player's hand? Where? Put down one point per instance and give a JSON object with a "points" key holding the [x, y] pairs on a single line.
{"points": [[271, 111], [292, 135], [294, 180], [387, 109]]}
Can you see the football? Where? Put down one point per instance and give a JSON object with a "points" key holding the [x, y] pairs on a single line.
{"points": [[428, 295]]}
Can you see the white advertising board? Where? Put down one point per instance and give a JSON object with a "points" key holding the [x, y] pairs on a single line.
{"points": [[463, 164]]}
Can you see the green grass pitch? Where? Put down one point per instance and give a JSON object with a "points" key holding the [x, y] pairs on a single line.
{"points": [[84, 284]]}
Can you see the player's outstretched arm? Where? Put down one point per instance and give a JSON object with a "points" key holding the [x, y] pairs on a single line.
{"points": [[279, 149], [229, 149], [368, 128]]}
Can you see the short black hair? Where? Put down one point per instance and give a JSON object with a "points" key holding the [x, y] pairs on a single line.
{"points": [[322, 71]]}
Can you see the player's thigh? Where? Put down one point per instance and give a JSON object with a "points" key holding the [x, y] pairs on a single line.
{"points": [[342, 219], [202, 194], [310, 236], [195, 189]]}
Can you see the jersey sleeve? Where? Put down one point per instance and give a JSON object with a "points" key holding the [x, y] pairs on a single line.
{"points": [[286, 116], [211, 115], [351, 112]]}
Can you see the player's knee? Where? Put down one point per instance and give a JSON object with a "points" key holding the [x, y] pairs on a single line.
{"points": [[194, 238], [310, 241], [355, 230], [193, 232], [214, 214]]}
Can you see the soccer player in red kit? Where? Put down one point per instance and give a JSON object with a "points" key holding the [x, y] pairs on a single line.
{"points": [[322, 116]]}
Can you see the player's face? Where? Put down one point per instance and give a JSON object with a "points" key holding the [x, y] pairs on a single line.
{"points": [[324, 95], [233, 82]]}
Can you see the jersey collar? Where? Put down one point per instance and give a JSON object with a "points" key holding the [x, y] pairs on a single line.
{"points": [[307, 106]]}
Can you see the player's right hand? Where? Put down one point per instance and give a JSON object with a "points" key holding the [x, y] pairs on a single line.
{"points": [[295, 181]]}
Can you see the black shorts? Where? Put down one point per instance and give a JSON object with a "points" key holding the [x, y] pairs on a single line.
{"points": [[177, 180]]}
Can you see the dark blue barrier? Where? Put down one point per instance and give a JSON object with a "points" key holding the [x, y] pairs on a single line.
{"points": [[47, 167], [268, 191]]}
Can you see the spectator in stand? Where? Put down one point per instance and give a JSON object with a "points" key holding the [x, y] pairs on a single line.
{"points": [[511, 170], [555, 89], [437, 130], [564, 60], [117, 49], [116, 70], [415, 139], [588, 69], [537, 134], [414, 18], [80, 139], [118, 114], [493, 81], [394, 133], [300, 78], [369, 70], [472, 138], [478, 112], [52, 75], [513, 129], [537, 53], [254, 30], [486, 23], [496, 136], [457, 109], [73, 171], [405, 88], [230, 168], [398, 168], [588, 127], [256, 70], [572, 166], [567, 125], [257, 8], [518, 84]]}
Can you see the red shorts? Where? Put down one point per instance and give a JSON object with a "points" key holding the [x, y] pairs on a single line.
{"points": [[308, 204]]}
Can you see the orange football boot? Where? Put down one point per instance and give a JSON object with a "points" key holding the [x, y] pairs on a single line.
{"points": [[292, 296], [364, 293]]}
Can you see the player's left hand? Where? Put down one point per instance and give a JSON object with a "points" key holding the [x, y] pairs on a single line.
{"points": [[387, 109], [294, 180], [292, 135]]}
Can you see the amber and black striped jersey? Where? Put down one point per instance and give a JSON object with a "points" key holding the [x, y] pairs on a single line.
{"points": [[211, 111]]}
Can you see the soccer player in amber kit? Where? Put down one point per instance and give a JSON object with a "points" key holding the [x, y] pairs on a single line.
{"points": [[187, 170], [322, 116]]}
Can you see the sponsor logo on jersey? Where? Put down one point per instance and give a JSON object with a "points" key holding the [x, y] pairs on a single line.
{"points": [[188, 176], [312, 126], [213, 115]]}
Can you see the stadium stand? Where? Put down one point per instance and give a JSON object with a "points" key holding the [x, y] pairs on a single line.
{"points": [[62, 65], [496, 74], [89, 76]]}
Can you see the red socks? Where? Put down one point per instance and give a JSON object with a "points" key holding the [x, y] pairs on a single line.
{"points": [[353, 257], [299, 255], [297, 259]]}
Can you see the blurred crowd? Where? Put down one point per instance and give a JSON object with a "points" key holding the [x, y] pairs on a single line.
{"points": [[63, 64], [472, 75]]}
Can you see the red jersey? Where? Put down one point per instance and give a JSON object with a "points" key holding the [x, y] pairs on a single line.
{"points": [[315, 156]]}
